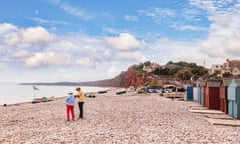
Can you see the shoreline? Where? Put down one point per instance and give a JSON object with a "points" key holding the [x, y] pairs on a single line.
{"points": [[28, 102], [14, 94], [109, 89]]}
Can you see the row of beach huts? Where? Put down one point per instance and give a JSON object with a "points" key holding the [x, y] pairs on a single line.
{"points": [[223, 95]]}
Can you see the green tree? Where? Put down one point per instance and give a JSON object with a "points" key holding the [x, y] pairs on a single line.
{"points": [[160, 71], [199, 71], [155, 84], [138, 67], [170, 62], [184, 74], [174, 71], [227, 75], [147, 63]]}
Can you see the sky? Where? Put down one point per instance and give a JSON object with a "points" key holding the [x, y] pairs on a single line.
{"points": [[79, 40]]}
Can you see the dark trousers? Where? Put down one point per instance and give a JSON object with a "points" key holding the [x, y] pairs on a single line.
{"points": [[80, 104]]}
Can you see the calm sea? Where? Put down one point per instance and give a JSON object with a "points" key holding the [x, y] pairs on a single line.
{"points": [[11, 93]]}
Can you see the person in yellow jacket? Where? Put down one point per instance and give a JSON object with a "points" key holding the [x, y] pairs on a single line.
{"points": [[81, 99]]}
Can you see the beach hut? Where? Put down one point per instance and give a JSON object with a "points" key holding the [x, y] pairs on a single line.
{"points": [[212, 94], [190, 93], [234, 98], [223, 95], [196, 94], [202, 86]]}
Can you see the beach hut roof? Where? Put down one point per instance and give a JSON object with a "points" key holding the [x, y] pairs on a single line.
{"points": [[202, 83], [214, 83], [235, 83], [226, 82]]}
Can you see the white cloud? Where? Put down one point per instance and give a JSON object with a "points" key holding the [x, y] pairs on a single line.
{"points": [[79, 46], [21, 54], [48, 59], [191, 27], [224, 30], [114, 71], [75, 50], [62, 71], [65, 45], [213, 6], [204, 4], [28, 37], [224, 33], [131, 18], [6, 28], [44, 21], [124, 42], [40, 20], [36, 47], [131, 56], [166, 49], [74, 11], [158, 14], [71, 10], [107, 54], [37, 35], [85, 62], [12, 39]]}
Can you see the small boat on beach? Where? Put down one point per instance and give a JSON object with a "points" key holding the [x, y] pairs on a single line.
{"points": [[90, 94], [43, 99], [122, 91], [102, 92]]}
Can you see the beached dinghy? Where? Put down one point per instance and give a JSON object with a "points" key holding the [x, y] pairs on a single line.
{"points": [[43, 99]]}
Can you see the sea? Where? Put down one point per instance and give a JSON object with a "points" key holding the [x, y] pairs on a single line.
{"points": [[13, 93]]}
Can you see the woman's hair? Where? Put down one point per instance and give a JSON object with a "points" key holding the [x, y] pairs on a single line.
{"points": [[78, 89]]}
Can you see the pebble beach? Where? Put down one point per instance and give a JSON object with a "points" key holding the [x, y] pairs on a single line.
{"points": [[112, 119]]}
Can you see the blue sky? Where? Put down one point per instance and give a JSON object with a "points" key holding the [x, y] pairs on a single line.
{"points": [[75, 40]]}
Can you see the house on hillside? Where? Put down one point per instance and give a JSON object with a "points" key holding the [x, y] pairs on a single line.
{"points": [[151, 68], [170, 66], [147, 69], [234, 66], [231, 66], [216, 69]]}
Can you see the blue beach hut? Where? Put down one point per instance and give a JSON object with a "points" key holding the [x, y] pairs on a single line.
{"points": [[190, 93], [234, 98]]}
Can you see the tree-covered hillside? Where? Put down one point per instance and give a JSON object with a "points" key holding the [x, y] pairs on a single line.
{"points": [[147, 72]]}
